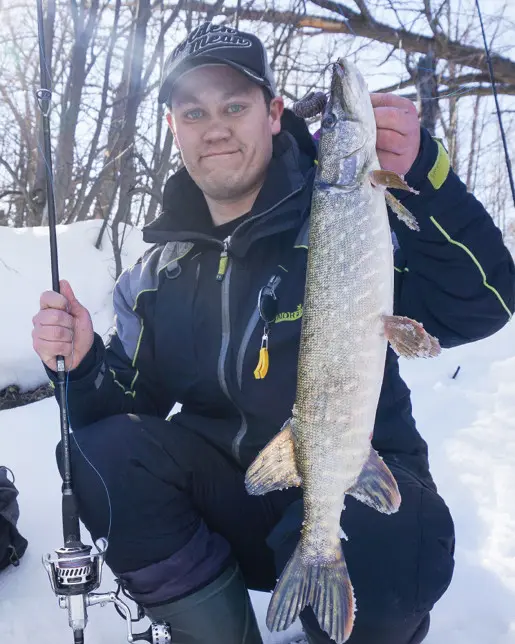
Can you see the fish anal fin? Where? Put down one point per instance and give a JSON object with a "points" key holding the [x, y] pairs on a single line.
{"points": [[376, 486], [274, 468], [325, 586], [403, 214], [409, 338], [389, 179]]}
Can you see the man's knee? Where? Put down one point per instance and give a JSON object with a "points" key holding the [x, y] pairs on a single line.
{"points": [[128, 487]]}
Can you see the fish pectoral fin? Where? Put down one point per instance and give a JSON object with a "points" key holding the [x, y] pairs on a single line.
{"points": [[409, 338], [376, 486], [325, 586], [274, 468], [389, 179], [403, 214]]}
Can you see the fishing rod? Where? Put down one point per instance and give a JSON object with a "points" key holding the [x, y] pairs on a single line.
{"points": [[75, 572]]}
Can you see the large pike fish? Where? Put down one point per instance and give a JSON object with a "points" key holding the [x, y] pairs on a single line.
{"points": [[325, 446]]}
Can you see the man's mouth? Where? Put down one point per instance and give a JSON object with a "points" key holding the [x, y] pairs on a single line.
{"points": [[222, 153]]}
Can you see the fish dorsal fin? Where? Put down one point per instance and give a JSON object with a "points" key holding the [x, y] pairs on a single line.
{"points": [[376, 486], [274, 468]]}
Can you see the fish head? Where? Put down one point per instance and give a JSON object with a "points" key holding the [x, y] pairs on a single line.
{"points": [[348, 129]]}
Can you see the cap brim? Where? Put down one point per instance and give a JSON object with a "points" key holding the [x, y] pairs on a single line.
{"points": [[202, 61]]}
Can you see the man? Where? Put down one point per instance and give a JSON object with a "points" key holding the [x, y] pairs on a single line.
{"points": [[186, 539]]}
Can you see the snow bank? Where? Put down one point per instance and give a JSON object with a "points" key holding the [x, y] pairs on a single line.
{"points": [[25, 274]]}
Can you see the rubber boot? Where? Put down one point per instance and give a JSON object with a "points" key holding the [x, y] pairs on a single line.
{"points": [[219, 613]]}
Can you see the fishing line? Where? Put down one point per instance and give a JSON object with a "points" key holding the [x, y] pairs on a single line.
{"points": [[497, 107], [457, 92], [84, 455]]}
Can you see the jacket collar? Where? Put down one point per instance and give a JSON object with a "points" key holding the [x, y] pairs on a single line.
{"points": [[279, 205]]}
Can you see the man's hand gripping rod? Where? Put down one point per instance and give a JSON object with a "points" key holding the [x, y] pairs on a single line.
{"points": [[75, 573]]}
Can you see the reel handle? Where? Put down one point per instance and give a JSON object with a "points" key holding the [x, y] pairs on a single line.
{"points": [[156, 633]]}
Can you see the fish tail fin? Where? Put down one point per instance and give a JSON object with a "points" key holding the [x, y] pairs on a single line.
{"points": [[326, 587]]}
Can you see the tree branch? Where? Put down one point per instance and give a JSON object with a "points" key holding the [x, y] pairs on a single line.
{"points": [[451, 83], [508, 90], [504, 68], [365, 12], [20, 185]]}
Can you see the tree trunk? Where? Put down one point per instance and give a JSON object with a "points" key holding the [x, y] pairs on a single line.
{"points": [[127, 134], [427, 89], [86, 198], [83, 30]]}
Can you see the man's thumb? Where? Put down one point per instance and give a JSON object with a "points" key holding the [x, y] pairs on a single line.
{"points": [[75, 307]]}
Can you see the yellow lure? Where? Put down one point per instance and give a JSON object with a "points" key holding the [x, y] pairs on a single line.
{"points": [[262, 368]]}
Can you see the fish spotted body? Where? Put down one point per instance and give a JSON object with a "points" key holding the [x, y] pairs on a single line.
{"points": [[325, 446]]}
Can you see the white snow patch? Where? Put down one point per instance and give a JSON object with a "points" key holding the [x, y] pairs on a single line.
{"points": [[469, 423], [25, 274]]}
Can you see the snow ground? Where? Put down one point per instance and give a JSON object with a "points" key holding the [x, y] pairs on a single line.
{"points": [[469, 423]]}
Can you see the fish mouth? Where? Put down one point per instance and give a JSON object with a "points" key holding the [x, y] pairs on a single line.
{"points": [[340, 67], [340, 85], [348, 91], [341, 70]]}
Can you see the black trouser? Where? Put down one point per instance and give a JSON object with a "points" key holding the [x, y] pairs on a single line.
{"points": [[170, 488]]}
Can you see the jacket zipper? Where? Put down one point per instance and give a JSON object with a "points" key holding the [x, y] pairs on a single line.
{"points": [[224, 259], [195, 295], [226, 336]]}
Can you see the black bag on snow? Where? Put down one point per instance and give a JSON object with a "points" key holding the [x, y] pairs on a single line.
{"points": [[12, 544]]}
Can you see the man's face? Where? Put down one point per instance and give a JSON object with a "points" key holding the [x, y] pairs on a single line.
{"points": [[224, 130]]}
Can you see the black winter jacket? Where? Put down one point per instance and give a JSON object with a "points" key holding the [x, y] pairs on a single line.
{"points": [[183, 336]]}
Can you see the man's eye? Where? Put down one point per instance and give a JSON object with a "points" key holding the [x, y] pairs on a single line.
{"points": [[194, 115], [234, 108]]}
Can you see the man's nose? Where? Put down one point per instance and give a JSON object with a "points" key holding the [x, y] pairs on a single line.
{"points": [[217, 131]]}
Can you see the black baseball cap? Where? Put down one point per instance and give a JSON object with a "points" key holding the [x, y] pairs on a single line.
{"points": [[211, 44]]}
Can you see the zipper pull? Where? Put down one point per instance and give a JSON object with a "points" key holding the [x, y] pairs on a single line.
{"points": [[224, 260], [267, 307], [262, 368]]}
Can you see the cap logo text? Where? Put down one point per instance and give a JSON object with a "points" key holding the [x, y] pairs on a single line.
{"points": [[208, 37]]}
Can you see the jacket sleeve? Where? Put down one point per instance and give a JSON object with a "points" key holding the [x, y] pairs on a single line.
{"points": [[118, 377], [455, 275]]}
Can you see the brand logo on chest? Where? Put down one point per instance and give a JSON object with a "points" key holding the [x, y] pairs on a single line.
{"points": [[290, 316]]}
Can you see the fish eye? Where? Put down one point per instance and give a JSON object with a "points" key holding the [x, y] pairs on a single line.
{"points": [[329, 121]]}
